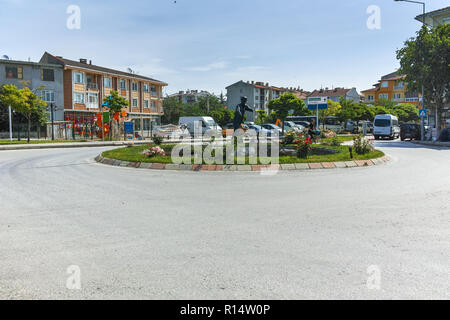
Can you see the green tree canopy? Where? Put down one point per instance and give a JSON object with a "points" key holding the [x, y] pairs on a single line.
{"points": [[115, 102], [425, 60]]}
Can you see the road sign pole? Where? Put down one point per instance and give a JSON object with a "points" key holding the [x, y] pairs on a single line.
{"points": [[317, 117]]}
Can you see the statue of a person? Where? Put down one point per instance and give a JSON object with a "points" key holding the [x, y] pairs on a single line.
{"points": [[240, 112]]}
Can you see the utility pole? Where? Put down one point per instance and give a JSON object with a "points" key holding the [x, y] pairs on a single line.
{"points": [[52, 120], [10, 123]]}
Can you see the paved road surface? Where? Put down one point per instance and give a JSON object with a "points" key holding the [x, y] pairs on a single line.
{"points": [[214, 235]]}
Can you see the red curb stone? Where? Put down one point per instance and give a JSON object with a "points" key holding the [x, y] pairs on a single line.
{"points": [[208, 167], [219, 168], [159, 166], [385, 159], [257, 167], [196, 167], [317, 165], [364, 163], [273, 167], [373, 162], [328, 165]]}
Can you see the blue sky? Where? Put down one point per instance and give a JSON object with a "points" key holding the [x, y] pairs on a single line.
{"points": [[209, 44]]}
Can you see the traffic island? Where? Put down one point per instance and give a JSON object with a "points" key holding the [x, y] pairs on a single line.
{"points": [[135, 157]]}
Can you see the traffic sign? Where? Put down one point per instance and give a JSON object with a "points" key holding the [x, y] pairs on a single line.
{"points": [[129, 127], [423, 113], [317, 106], [317, 103]]}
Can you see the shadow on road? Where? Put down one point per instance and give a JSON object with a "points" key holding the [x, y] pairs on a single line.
{"points": [[404, 144]]}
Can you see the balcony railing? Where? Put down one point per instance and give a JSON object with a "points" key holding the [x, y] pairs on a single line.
{"points": [[92, 86]]}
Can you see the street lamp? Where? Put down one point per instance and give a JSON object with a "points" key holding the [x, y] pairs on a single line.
{"points": [[423, 89]]}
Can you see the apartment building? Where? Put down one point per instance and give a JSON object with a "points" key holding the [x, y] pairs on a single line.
{"points": [[391, 87], [190, 96], [45, 79], [335, 94], [259, 94], [86, 85]]}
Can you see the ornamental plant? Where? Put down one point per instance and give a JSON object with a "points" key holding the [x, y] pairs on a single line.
{"points": [[303, 144], [290, 137], [154, 151], [157, 139], [361, 145]]}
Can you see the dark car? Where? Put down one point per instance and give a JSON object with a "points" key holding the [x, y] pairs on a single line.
{"points": [[410, 131]]}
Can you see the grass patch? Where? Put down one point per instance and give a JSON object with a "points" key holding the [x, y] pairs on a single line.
{"points": [[24, 141], [341, 139], [134, 154]]}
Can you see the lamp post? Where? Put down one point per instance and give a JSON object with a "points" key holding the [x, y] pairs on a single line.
{"points": [[422, 131], [52, 110]]}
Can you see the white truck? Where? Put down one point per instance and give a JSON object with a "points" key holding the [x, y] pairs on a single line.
{"points": [[204, 124]]}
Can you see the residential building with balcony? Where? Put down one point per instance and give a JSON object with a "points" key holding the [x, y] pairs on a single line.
{"points": [[391, 87], [190, 96], [259, 94], [86, 85], [46, 79]]}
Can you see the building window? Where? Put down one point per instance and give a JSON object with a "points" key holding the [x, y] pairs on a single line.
{"points": [[78, 98], [78, 77], [385, 84], [399, 86], [153, 105], [256, 98], [370, 98], [47, 75], [107, 82], [146, 88], [146, 105], [383, 96], [134, 86], [135, 103], [14, 73], [48, 96], [92, 100], [123, 84], [397, 96], [153, 90]]}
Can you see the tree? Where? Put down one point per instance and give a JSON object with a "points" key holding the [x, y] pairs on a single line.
{"points": [[115, 103], [350, 110], [287, 103], [333, 110], [222, 116], [25, 102], [172, 110], [406, 112], [425, 61]]}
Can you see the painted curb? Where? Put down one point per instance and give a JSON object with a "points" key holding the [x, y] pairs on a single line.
{"points": [[246, 168]]}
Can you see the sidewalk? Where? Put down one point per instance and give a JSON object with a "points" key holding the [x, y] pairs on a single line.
{"points": [[433, 143], [68, 145]]}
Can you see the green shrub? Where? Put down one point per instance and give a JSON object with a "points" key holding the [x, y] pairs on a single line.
{"points": [[361, 145], [290, 137]]}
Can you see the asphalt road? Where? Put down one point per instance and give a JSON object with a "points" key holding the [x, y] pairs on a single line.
{"points": [[145, 234]]}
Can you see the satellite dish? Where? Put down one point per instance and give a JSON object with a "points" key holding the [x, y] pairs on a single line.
{"points": [[130, 70], [5, 57]]}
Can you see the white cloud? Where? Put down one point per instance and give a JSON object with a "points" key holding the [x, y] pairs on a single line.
{"points": [[212, 66]]}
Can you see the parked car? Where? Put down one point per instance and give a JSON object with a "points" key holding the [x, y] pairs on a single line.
{"points": [[205, 123], [290, 125], [259, 130], [272, 128], [332, 123], [410, 131], [351, 126], [386, 126]]}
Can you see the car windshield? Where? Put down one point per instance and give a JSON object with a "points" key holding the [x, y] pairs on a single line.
{"points": [[210, 122], [382, 123]]}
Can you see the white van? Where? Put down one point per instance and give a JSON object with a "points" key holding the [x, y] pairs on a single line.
{"points": [[386, 126], [206, 123]]}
